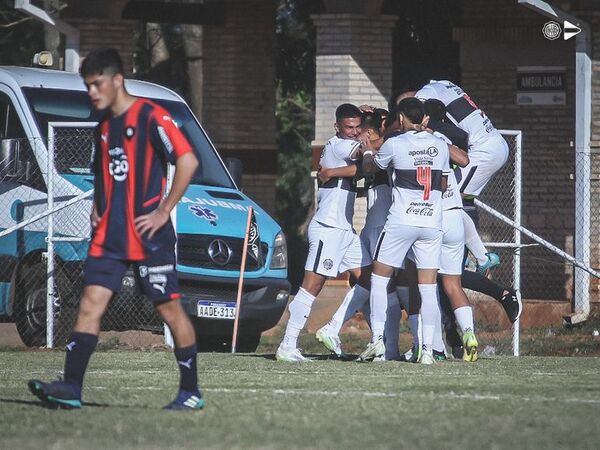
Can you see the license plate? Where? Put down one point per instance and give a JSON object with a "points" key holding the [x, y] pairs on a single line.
{"points": [[216, 310]]}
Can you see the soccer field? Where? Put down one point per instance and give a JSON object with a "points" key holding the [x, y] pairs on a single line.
{"points": [[256, 402]]}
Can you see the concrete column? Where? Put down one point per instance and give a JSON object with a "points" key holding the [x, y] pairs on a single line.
{"points": [[354, 64]]}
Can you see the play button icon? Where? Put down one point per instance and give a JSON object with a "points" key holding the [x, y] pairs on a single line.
{"points": [[570, 30]]}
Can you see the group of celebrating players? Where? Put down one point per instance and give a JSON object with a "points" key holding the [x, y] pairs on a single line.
{"points": [[423, 162]]}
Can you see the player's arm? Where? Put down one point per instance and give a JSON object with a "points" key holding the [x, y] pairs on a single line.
{"points": [[373, 161], [325, 174], [444, 183], [185, 167], [458, 156]]}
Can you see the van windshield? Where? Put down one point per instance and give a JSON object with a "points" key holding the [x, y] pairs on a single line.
{"points": [[59, 105]]}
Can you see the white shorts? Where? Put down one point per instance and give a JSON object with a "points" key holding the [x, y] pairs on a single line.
{"points": [[334, 250], [485, 161], [396, 240], [453, 243], [369, 237]]}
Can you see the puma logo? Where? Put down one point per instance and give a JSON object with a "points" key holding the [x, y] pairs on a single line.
{"points": [[187, 363], [71, 345]]}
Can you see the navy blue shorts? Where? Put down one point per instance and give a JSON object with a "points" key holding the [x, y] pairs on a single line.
{"points": [[156, 275]]}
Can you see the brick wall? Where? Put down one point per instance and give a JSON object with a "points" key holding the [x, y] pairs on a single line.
{"points": [[116, 33], [353, 55], [492, 46], [261, 189], [239, 80]]}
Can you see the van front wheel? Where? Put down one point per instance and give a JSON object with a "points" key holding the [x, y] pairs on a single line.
{"points": [[30, 304]]}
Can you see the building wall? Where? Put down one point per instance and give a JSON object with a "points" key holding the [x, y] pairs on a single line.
{"points": [[239, 84], [492, 46]]}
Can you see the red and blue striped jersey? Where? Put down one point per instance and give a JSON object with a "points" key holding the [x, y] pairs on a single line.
{"points": [[130, 167]]}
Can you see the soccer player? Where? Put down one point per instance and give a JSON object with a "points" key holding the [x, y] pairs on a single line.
{"points": [[488, 152], [334, 247], [131, 226], [379, 201], [421, 166]]}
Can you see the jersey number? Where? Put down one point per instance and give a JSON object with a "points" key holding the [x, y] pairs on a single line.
{"points": [[424, 179]]}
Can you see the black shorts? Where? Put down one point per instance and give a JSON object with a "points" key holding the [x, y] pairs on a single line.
{"points": [[156, 275]]}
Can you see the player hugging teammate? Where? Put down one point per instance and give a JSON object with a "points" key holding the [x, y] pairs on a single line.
{"points": [[411, 250]]}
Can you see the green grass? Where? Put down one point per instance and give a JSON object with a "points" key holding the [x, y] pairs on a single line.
{"points": [[255, 402]]}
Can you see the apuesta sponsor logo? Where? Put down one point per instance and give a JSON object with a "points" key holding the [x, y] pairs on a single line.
{"points": [[431, 151]]}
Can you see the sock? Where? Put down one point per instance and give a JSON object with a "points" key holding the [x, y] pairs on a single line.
{"points": [[299, 311], [391, 330], [477, 282], [79, 350], [429, 314], [403, 296], [353, 301], [378, 305], [473, 241], [438, 340], [464, 317], [416, 328], [188, 372]]}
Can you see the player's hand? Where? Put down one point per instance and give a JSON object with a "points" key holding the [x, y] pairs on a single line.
{"points": [[424, 123], [151, 223], [94, 218], [324, 175], [366, 108]]}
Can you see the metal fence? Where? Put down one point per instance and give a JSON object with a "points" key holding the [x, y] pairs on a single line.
{"points": [[45, 205]]}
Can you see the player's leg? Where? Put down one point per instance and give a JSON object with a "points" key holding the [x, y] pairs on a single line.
{"points": [[508, 298], [356, 260], [102, 277], [157, 277], [323, 260], [427, 249], [390, 251]]}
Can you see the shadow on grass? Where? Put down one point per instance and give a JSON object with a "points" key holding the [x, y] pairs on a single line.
{"points": [[46, 405]]}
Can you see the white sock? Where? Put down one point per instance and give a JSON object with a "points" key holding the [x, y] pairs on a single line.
{"points": [[299, 311], [353, 301], [391, 331], [464, 318], [378, 305], [473, 241], [429, 314], [403, 296], [416, 328]]}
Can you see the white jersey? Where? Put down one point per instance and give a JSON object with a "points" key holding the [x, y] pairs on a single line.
{"points": [[451, 198], [460, 109], [336, 197], [379, 199], [419, 160]]}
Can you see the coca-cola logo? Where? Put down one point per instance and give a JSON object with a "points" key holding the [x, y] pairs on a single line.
{"points": [[424, 211]]}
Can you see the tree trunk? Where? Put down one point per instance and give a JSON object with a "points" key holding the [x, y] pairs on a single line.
{"points": [[192, 44]]}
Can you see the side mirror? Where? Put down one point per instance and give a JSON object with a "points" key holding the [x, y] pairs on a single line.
{"points": [[235, 168], [9, 158]]}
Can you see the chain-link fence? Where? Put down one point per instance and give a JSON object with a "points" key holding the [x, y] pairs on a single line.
{"points": [[503, 194], [561, 228], [47, 254]]}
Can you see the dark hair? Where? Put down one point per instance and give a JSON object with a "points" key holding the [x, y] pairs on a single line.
{"points": [[102, 61], [412, 108], [435, 109], [371, 120], [391, 117], [383, 113], [346, 111]]}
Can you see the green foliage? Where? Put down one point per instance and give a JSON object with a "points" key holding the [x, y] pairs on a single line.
{"points": [[295, 125], [20, 36]]}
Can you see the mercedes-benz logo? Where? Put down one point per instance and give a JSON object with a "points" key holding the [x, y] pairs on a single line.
{"points": [[219, 252]]}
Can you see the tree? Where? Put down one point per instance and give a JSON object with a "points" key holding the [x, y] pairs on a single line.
{"points": [[295, 124]]}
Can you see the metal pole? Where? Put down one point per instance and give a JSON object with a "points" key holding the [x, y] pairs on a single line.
{"points": [[170, 175], [50, 251], [517, 259], [238, 302]]}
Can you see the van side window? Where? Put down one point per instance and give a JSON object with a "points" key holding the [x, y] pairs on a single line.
{"points": [[11, 128]]}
